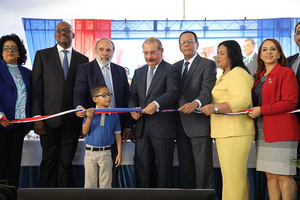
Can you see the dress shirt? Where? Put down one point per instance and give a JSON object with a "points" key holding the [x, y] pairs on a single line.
{"points": [[62, 55], [189, 66]]}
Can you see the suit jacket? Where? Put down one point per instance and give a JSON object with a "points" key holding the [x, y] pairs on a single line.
{"points": [[8, 97], [200, 80], [50, 92], [164, 90], [291, 60], [89, 75], [279, 95], [252, 65]]}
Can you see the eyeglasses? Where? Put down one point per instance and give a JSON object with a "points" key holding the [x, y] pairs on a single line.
{"points": [[66, 30], [13, 49], [187, 41], [104, 95]]}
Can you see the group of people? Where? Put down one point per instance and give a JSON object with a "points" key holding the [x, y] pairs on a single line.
{"points": [[63, 79]]}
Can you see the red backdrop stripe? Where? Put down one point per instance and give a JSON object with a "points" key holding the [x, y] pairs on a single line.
{"points": [[87, 32]]}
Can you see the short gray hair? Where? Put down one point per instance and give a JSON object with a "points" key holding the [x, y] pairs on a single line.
{"points": [[107, 39], [153, 40]]}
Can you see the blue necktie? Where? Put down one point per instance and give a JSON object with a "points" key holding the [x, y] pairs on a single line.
{"points": [[65, 65], [149, 78], [109, 85]]}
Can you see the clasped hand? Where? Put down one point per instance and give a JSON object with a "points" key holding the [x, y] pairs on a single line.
{"points": [[254, 112], [5, 124], [188, 107], [149, 110]]}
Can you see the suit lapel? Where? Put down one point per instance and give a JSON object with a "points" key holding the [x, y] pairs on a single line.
{"points": [[72, 68], [56, 63], [180, 64], [158, 74], [97, 74], [4, 72], [290, 64], [115, 78], [143, 80], [192, 70]]}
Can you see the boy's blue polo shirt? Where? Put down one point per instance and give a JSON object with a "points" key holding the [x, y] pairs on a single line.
{"points": [[103, 135]]}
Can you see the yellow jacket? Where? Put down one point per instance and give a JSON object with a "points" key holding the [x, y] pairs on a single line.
{"points": [[234, 87]]}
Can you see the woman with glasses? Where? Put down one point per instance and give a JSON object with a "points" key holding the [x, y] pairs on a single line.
{"points": [[14, 104]]}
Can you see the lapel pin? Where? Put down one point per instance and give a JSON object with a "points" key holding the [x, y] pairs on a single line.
{"points": [[270, 80]]}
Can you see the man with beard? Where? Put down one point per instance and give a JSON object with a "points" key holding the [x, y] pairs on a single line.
{"points": [[102, 71], [53, 78]]}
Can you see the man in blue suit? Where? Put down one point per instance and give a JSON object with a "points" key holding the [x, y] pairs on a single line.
{"points": [[154, 87], [102, 71]]}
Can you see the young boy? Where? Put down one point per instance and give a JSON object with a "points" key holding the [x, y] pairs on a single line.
{"points": [[100, 131]]}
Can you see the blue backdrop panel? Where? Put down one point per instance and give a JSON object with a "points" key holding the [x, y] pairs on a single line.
{"points": [[39, 34]]}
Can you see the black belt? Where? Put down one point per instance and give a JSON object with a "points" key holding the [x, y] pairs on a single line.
{"points": [[97, 148]]}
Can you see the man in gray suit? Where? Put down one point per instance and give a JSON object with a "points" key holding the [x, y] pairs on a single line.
{"points": [[198, 76], [251, 56]]}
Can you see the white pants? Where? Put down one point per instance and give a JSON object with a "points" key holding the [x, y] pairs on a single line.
{"points": [[98, 169]]}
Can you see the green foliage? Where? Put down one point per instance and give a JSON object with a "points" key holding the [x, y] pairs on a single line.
{"points": [[296, 162], [7, 190]]}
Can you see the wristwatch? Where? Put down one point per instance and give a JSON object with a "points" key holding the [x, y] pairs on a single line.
{"points": [[216, 108]]}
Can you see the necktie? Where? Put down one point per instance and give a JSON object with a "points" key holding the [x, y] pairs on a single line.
{"points": [[65, 64], [185, 72], [109, 85], [246, 62], [149, 78]]}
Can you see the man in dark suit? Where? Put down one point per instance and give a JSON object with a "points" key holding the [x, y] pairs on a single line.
{"points": [[102, 71], [251, 57], [154, 87], [294, 63], [198, 76], [53, 78]]}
